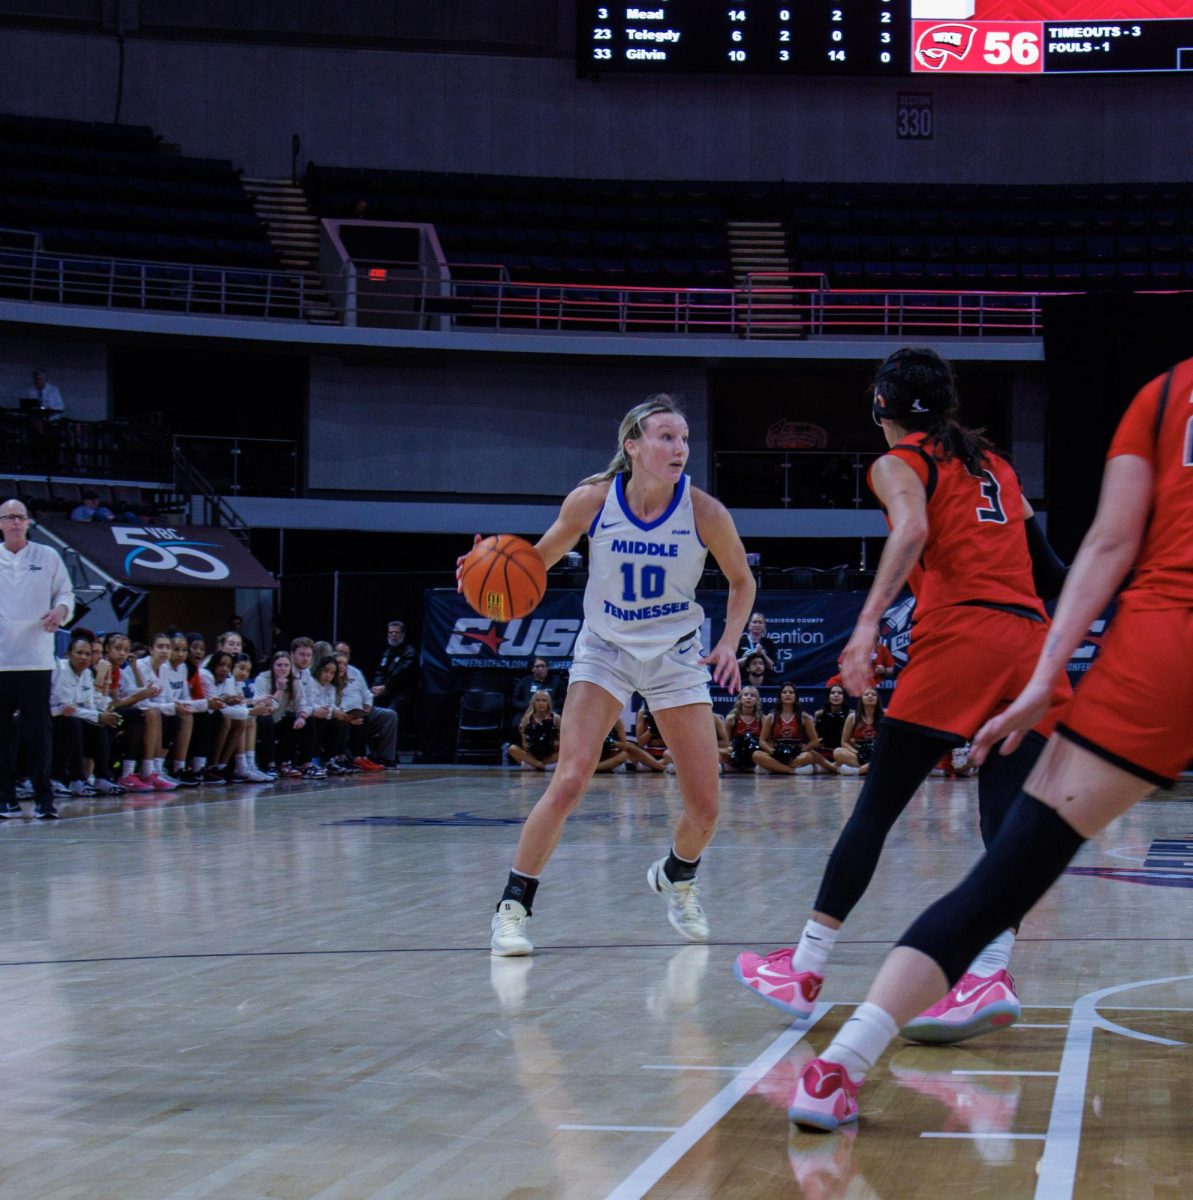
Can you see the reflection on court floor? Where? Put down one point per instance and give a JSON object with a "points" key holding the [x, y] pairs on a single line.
{"points": [[289, 994]]}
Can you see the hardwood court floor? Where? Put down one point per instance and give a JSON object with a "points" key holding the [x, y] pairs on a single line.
{"points": [[287, 993]]}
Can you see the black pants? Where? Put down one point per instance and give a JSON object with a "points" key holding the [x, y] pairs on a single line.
{"points": [[29, 693], [901, 761], [68, 749], [131, 742], [203, 735]]}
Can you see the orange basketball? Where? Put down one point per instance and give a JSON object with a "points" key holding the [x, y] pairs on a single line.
{"points": [[503, 577]]}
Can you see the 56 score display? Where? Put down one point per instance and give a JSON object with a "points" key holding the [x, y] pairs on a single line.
{"points": [[884, 37], [1036, 47]]}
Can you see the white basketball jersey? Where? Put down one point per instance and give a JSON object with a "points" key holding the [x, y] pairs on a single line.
{"points": [[642, 578]]}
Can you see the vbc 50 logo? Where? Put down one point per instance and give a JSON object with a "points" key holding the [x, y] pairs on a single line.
{"points": [[165, 549]]}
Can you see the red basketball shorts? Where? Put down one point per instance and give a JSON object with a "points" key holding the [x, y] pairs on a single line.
{"points": [[1135, 707], [965, 665]]}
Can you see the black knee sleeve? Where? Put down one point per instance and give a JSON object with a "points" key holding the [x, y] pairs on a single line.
{"points": [[1000, 780], [1027, 857], [902, 759]]}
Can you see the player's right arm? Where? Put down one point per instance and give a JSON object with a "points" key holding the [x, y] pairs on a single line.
{"points": [[575, 519], [1107, 553], [902, 495]]}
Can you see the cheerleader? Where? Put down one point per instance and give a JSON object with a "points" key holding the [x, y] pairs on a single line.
{"points": [[744, 726], [830, 725], [857, 739], [652, 750], [613, 751], [788, 740], [539, 731]]}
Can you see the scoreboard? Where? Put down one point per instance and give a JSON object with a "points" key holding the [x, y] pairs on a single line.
{"points": [[885, 37]]}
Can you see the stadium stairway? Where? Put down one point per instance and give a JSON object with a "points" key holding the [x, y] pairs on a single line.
{"points": [[294, 232], [757, 246], [761, 247]]}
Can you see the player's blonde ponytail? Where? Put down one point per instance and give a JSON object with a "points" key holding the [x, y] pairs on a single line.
{"points": [[632, 425]]}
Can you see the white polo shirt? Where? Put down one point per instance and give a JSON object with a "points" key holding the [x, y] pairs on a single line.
{"points": [[32, 581]]}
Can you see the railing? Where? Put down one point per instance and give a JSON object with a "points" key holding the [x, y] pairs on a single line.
{"points": [[244, 466], [32, 445], [32, 274], [792, 478], [767, 305], [482, 296], [214, 509]]}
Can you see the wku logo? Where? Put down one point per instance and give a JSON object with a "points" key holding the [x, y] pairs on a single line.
{"points": [[552, 637], [937, 44]]}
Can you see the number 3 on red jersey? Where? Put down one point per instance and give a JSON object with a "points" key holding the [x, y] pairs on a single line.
{"points": [[991, 491]]}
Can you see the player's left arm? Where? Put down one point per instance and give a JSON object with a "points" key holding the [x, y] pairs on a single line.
{"points": [[717, 531], [902, 495], [1048, 570]]}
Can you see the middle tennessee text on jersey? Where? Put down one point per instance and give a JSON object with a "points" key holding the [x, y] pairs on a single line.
{"points": [[650, 549], [641, 592]]}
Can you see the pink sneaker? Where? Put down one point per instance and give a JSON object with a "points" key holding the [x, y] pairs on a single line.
{"points": [[158, 784], [773, 979], [825, 1097], [134, 783], [974, 1006]]}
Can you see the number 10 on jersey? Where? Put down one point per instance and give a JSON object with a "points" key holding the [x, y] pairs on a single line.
{"points": [[651, 584]]}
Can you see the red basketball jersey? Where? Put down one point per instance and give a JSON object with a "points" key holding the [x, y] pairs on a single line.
{"points": [[977, 547], [1164, 570]]}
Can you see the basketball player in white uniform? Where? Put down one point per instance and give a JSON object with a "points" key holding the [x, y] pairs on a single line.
{"points": [[649, 532]]}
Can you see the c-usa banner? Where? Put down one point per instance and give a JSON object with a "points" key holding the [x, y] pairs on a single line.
{"points": [[809, 629]]}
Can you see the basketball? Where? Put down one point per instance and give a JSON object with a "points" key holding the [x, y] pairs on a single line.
{"points": [[503, 577]]}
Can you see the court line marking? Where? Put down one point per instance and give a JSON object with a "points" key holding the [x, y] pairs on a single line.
{"points": [[1129, 852], [1057, 1170], [649, 1172], [621, 1128], [1030, 1025], [688, 1067], [1051, 1074], [990, 1137]]}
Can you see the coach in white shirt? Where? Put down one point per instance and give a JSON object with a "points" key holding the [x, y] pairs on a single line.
{"points": [[35, 600]]}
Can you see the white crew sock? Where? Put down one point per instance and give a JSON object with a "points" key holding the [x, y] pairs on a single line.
{"points": [[996, 956], [200, 763], [861, 1040], [128, 767], [242, 763], [155, 766], [815, 945], [179, 766]]}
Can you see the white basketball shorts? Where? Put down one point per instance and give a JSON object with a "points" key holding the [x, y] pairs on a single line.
{"points": [[671, 680]]}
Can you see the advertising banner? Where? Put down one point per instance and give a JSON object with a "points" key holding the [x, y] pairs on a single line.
{"points": [[809, 629], [148, 556]]}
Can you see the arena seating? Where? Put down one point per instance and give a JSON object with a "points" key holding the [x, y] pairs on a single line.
{"points": [[889, 237], [1000, 237], [90, 188], [583, 231]]}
